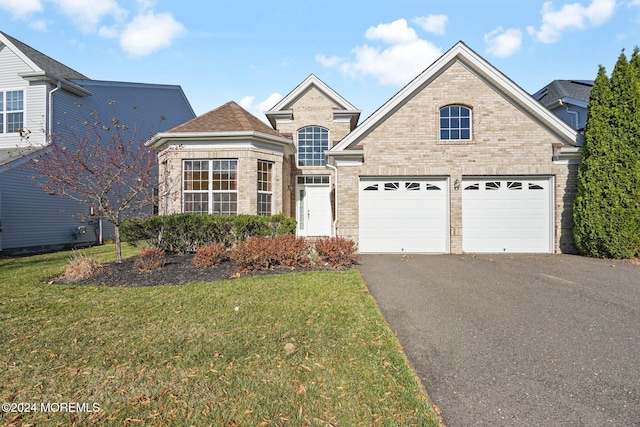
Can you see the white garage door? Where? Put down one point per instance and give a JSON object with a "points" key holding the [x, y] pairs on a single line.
{"points": [[506, 215], [403, 215]]}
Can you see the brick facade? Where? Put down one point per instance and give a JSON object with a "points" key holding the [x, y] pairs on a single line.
{"points": [[506, 142], [171, 168], [512, 135], [312, 108]]}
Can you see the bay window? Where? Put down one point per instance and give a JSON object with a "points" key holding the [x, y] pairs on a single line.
{"points": [[210, 186]]}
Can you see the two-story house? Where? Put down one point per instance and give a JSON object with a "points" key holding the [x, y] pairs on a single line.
{"points": [[40, 95]]}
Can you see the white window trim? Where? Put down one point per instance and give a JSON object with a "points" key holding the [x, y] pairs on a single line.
{"points": [[270, 185], [4, 111], [298, 146], [459, 140], [210, 191]]}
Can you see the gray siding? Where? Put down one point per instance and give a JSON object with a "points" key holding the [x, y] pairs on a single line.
{"points": [[574, 116], [32, 218]]}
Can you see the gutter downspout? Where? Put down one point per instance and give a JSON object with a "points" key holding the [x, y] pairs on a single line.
{"points": [[50, 127], [569, 111], [335, 199]]}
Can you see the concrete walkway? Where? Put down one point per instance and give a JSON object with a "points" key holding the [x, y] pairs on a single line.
{"points": [[523, 340]]}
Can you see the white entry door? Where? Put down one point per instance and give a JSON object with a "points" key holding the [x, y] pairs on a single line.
{"points": [[507, 215], [314, 209], [400, 215]]}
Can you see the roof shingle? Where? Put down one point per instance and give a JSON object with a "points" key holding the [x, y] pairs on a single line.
{"points": [[45, 62], [229, 117]]}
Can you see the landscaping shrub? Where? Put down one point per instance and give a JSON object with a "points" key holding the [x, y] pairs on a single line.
{"points": [[81, 267], [150, 259], [337, 252], [184, 233], [291, 251], [261, 253], [210, 255], [252, 254]]}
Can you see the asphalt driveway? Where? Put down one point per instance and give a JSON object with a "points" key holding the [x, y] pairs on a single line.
{"points": [[518, 340]]}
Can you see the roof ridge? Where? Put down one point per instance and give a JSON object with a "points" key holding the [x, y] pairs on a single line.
{"points": [[241, 116], [47, 63], [229, 117]]}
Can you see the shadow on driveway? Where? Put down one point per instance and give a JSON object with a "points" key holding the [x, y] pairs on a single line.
{"points": [[517, 340]]}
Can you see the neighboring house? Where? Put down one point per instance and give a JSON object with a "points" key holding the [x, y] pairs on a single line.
{"points": [[460, 160], [43, 96], [568, 100]]}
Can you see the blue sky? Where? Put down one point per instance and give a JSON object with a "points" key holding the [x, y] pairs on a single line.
{"points": [[256, 51]]}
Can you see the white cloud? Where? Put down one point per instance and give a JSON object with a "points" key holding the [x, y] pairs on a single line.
{"points": [[258, 109], [328, 62], [400, 58], [435, 24], [21, 9], [634, 3], [150, 32], [87, 15], [574, 15], [502, 43], [397, 32], [38, 25]]}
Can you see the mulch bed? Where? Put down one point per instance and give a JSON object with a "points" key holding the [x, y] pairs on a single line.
{"points": [[178, 270]]}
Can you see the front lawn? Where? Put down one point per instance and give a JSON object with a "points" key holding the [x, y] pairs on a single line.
{"points": [[296, 349]]}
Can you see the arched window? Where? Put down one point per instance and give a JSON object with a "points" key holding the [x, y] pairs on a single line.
{"points": [[455, 123], [313, 141]]}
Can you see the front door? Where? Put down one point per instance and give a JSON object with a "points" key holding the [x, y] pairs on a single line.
{"points": [[314, 209]]}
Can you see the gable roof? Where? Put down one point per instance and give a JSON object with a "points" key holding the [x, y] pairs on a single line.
{"points": [[460, 52], [575, 92], [342, 106], [43, 62], [229, 121]]}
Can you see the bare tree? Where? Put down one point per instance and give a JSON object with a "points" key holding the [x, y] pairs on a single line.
{"points": [[105, 166]]}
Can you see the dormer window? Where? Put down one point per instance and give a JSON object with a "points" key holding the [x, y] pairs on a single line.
{"points": [[11, 111], [313, 141], [455, 123]]}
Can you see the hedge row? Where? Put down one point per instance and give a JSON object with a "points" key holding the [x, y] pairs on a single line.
{"points": [[185, 233]]}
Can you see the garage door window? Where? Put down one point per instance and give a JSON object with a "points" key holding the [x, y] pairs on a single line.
{"points": [[514, 185], [391, 186]]}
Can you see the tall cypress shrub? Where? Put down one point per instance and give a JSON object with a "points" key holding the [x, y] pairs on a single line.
{"points": [[635, 144], [607, 221]]}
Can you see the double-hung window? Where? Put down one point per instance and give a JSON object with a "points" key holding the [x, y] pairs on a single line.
{"points": [[210, 186], [11, 111], [265, 187], [313, 141]]}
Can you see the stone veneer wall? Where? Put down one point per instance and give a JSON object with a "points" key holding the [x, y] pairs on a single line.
{"points": [[506, 141]]}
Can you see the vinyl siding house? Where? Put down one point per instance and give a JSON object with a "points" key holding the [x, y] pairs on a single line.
{"points": [[460, 160], [45, 97], [568, 100]]}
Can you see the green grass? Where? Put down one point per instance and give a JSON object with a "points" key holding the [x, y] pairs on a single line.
{"points": [[183, 355]]}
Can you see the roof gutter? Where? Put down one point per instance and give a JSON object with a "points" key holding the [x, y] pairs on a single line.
{"points": [[74, 88], [160, 139]]}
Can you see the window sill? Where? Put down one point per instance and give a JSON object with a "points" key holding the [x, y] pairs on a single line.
{"points": [[456, 142]]}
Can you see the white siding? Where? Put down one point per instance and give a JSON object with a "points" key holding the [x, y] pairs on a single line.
{"points": [[35, 95]]}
